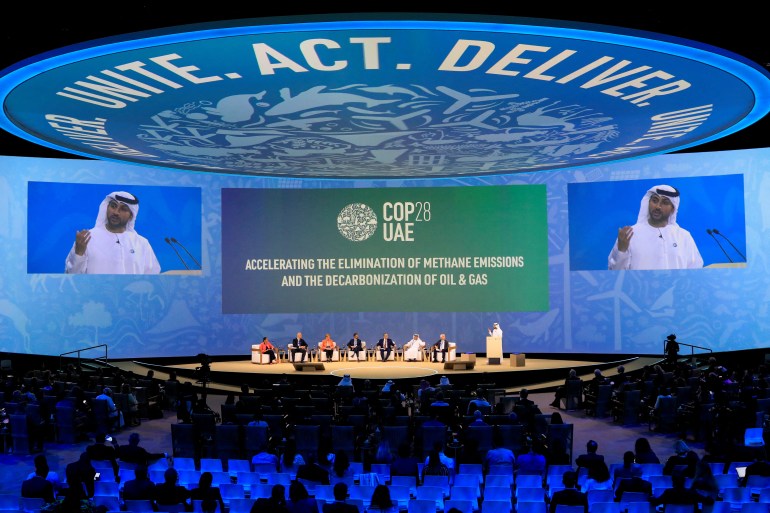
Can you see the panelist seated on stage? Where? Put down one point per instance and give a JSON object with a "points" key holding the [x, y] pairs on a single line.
{"points": [[386, 349], [443, 350], [356, 348], [298, 349], [265, 351], [414, 349], [327, 350]]}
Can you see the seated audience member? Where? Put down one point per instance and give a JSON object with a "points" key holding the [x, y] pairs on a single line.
{"points": [[381, 501], [629, 468], [679, 494], [265, 455], [81, 474], [169, 492], [38, 486], [561, 391], [205, 491], [341, 468], [498, 454], [339, 505], [291, 460], [300, 500], [434, 466], [683, 460], [438, 448], [276, 503], [405, 464], [141, 487], [643, 452], [479, 403], [113, 412], [53, 477], [76, 493], [704, 481], [759, 467], [135, 453], [532, 461], [633, 484], [590, 458], [598, 478], [570, 495], [101, 451], [313, 472]]}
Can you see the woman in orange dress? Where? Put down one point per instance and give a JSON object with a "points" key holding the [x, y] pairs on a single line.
{"points": [[328, 345], [267, 347]]}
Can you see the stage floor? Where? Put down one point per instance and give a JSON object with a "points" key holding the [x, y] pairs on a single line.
{"points": [[387, 370], [535, 374]]}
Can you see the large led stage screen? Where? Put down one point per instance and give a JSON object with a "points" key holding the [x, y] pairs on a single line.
{"points": [[427, 249], [168, 217], [711, 209]]}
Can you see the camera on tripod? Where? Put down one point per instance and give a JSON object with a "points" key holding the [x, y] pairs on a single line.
{"points": [[203, 373]]}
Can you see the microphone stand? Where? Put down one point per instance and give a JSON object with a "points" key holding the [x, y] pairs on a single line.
{"points": [[177, 254], [728, 240], [188, 253], [711, 232]]}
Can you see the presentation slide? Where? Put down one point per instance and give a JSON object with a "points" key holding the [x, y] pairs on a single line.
{"points": [[711, 209], [427, 249], [168, 217]]}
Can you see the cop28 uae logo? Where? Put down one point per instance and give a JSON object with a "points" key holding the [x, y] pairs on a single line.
{"points": [[357, 222]]}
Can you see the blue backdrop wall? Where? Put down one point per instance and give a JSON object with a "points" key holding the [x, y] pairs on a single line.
{"points": [[590, 309]]}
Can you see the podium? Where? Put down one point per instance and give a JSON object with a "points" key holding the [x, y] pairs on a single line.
{"points": [[494, 350]]}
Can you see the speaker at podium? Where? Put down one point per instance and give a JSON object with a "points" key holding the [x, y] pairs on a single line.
{"points": [[494, 350]]}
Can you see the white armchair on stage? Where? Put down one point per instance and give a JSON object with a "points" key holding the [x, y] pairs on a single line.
{"points": [[361, 354], [257, 356], [322, 354]]}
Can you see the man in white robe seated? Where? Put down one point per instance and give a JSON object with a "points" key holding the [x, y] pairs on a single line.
{"points": [[413, 350]]}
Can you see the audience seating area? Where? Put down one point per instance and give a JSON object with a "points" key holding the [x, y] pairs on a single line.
{"points": [[376, 426]]}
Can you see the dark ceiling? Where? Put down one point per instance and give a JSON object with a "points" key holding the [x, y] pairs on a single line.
{"points": [[34, 28]]}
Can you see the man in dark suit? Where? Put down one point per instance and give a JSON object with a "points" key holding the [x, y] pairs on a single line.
{"points": [[570, 495], [100, 451], [590, 459], [385, 345], [276, 503], [139, 488], [81, 473], [298, 346], [339, 505], [38, 485], [441, 346], [135, 453], [633, 484], [356, 345], [679, 494]]}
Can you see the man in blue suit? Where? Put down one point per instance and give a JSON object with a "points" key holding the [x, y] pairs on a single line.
{"points": [[385, 345]]}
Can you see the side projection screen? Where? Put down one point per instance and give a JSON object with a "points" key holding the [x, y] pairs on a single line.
{"points": [[435, 249]]}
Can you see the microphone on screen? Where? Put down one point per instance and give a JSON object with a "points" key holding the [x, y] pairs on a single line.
{"points": [[711, 232], [728, 240], [188, 253], [177, 254]]}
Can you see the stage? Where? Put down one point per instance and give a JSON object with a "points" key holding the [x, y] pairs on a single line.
{"points": [[227, 375]]}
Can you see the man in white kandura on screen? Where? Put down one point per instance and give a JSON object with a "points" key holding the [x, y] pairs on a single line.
{"points": [[112, 246], [656, 241]]}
